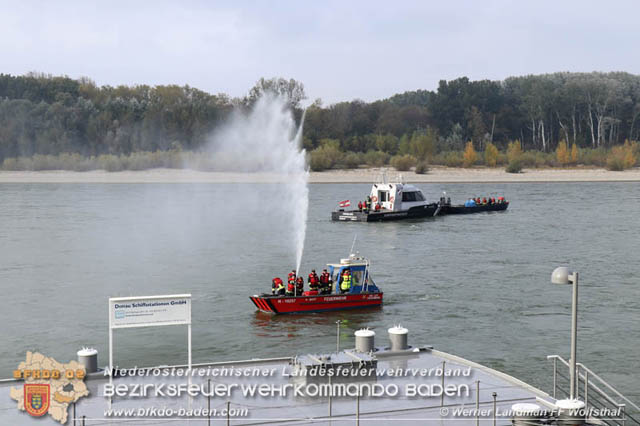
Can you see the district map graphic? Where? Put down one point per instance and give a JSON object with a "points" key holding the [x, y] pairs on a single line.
{"points": [[49, 386]]}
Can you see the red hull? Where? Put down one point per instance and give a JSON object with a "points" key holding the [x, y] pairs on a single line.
{"points": [[329, 302]]}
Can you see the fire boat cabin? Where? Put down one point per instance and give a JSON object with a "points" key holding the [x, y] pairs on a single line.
{"points": [[363, 292]]}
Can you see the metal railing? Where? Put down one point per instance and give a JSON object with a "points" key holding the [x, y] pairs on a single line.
{"points": [[595, 392]]}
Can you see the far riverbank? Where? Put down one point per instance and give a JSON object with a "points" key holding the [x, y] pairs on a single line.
{"points": [[435, 175]]}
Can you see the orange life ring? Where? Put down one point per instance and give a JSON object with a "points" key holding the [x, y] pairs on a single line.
{"points": [[391, 199], [374, 198]]}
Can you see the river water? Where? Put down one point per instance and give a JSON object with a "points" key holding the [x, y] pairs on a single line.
{"points": [[477, 286]]}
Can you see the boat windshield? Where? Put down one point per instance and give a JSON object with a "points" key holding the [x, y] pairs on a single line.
{"points": [[357, 275], [412, 196]]}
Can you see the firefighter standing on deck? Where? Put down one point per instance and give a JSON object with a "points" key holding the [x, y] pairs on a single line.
{"points": [[291, 279], [314, 281], [345, 285], [325, 282], [299, 286], [277, 286], [291, 288]]}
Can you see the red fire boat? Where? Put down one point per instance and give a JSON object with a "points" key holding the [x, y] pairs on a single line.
{"points": [[363, 293]]}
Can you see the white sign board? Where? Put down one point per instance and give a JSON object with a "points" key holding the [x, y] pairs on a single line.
{"points": [[127, 312], [149, 311]]}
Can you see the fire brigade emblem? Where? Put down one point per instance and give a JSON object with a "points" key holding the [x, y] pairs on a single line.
{"points": [[36, 399]]}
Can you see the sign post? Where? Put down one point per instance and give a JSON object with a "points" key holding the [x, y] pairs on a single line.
{"points": [[148, 311]]}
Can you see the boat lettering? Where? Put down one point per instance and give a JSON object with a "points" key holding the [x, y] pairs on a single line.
{"points": [[331, 299], [352, 218]]}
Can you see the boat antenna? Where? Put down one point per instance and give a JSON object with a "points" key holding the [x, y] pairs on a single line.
{"points": [[354, 243]]}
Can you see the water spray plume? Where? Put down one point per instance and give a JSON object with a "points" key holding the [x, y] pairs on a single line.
{"points": [[267, 140]]}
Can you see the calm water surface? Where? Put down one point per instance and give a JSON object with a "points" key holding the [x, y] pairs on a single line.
{"points": [[477, 286]]}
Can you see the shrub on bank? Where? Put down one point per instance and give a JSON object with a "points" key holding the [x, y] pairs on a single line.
{"points": [[535, 159], [44, 162], [324, 157], [514, 166], [621, 157], [403, 163], [449, 159], [110, 163], [351, 160], [575, 154], [376, 158], [502, 159], [594, 157], [140, 161], [75, 162], [329, 156], [10, 164], [422, 168]]}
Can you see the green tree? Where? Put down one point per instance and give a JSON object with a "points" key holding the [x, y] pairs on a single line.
{"points": [[387, 143], [423, 144], [404, 146], [291, 89]]}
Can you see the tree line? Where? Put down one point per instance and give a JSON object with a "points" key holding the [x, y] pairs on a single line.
{"points": [[50, 115]]}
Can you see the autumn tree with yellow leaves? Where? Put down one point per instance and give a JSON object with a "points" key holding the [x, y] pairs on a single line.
{"points": [[491, 155], [470, 156], [562, 153]]}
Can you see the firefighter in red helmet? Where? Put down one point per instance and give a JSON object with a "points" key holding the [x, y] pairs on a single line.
{"points": [[325, 282], [299, 286], [314, 281], [291, 283], [277, 286]]}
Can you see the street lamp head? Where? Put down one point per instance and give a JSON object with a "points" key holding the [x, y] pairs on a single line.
{"points": [[562, 275]]}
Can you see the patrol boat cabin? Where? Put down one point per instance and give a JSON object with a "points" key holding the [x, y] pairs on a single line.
{"points": [[389, 201], [359, 291]]}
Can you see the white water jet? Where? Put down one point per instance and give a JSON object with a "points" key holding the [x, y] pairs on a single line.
{"points": [[266, 141]]}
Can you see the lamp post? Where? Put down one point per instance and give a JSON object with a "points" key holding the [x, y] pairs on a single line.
{"points": [[563, 275]]}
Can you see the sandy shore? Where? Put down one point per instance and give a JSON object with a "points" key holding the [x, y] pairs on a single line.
{"points": [[460, 175], [436, 175]]}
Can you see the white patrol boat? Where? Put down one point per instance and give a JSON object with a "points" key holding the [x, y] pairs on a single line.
{"points": [[389, 201]]}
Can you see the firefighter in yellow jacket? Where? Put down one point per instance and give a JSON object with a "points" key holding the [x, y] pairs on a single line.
{"points": [[345, 284]]}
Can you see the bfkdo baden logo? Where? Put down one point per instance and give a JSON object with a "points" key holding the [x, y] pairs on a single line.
{"points": [[36, 399], [49, 386]]}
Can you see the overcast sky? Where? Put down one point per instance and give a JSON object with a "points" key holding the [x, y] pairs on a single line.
{"points": [[340, 50]]}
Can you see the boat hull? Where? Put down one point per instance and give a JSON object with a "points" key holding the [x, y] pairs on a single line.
{"points": [[460, 209], [428, 210], [320, 303]]}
